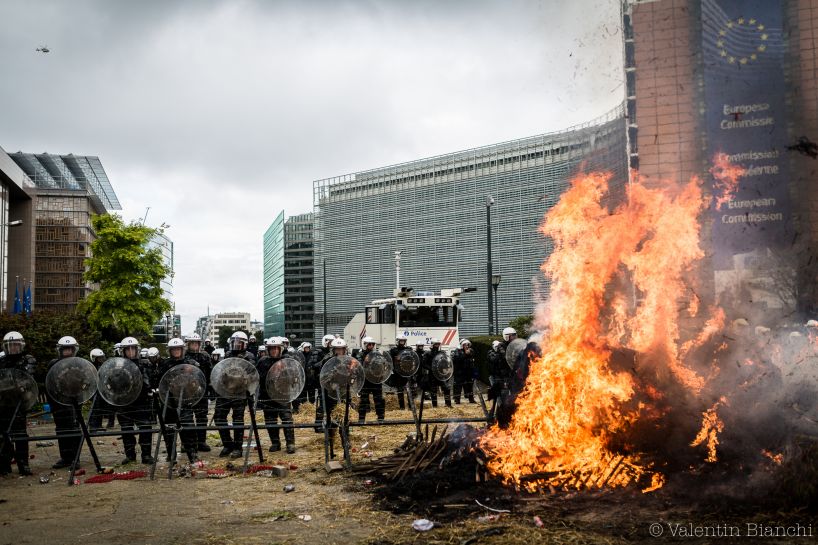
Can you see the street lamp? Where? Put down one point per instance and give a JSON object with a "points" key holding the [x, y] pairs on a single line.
{"points": [[13, 223], [495, 282], [489, 202]]}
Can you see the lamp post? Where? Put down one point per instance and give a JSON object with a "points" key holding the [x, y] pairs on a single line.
{"points": [[3, 268], [495, 282], [489, 202]]}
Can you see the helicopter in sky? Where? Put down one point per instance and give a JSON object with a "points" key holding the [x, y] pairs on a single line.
{"points": [[43, 49]]}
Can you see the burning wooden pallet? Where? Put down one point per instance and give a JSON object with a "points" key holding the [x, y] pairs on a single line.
{"points": [[416, 454], [617, 471]]}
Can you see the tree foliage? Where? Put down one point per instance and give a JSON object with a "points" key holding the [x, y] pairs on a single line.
{"points": [[130, 298], [523, 325], [43, 328]]}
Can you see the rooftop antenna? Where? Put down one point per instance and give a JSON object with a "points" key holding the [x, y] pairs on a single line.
{"points": [[146, 215]]}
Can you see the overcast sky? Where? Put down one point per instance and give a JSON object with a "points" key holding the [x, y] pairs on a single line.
{"points": [[218, 115]]}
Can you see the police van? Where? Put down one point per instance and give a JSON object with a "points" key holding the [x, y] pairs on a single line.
{"points": [[421, 316]]}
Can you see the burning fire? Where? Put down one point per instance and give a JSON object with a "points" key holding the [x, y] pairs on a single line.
{"points": [[619, 286]]}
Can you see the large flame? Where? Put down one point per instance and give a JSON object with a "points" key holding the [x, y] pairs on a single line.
{"points": [[618, 284]]}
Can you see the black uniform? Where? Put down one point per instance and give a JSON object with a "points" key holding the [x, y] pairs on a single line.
{"points": [[223, 408], [314, 365], [396, 380], [432, 384], [313, 370], [209, 348], [376, 391], [138, 415], [273, 410], [202, 361], [65, 422], [320, 410], [465, 369], [252, 347], [180, 417], [306, 394], [17, 424], [100, 409]]}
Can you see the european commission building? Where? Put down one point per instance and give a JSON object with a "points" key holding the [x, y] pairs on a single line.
{"points": [[434, 212]]}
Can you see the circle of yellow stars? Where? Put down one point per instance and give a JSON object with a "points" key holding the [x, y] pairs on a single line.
{"points": [[741, 22]]}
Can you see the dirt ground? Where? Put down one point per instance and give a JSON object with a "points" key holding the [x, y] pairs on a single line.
{"points": [[343, 507], [237, 509]]}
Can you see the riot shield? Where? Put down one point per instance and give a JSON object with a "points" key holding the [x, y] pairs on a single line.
{"points": [[340, 372], [120, 381], [285, 380], [513, 351], [71, 381], [182, 386], [407, 363], [17, 386], [378, 366], [234, 378], [442, 367]]}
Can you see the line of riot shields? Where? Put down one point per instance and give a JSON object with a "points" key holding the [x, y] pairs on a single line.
{"points": [[118, 382]]}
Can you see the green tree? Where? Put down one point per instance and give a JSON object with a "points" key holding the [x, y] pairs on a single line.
{"points": [[523, 325], [130, 298], [43, 328]]}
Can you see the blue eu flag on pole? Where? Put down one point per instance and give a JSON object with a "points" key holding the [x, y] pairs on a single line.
{"points": [[27, 300], [17, 308]]}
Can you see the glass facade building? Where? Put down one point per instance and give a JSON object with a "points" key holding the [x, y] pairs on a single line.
{"points": [[434, 211], [299, 299], [68, 190], [273, 252]]}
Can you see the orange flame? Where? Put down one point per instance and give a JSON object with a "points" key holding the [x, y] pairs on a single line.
{"points": [[726, 178], [574, 402], [712, 425]]}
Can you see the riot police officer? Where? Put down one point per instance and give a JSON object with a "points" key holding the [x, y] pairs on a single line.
{"points": [[137, 415], [314, 365], [306, 394], [232, 445], [101, 409], [196, 357], [465, 369], [208, 347], [370, 388], [431, 381], [252, 345], [274, 410], [180, 417], [65, 421], [338, 347], [15, 358], [397, 380]]}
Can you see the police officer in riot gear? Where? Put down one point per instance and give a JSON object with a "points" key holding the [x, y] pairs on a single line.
{"points": [[196, 357], [370, 388], [176, 356], [305, 349], [208, 347], [396, 380], [65, 421], [274, 410], [465, 371], [232, 445], [431, 381], [15, 358], [314, 365], [252, 345], [137, 415], [101, 408], [338, 347]]}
